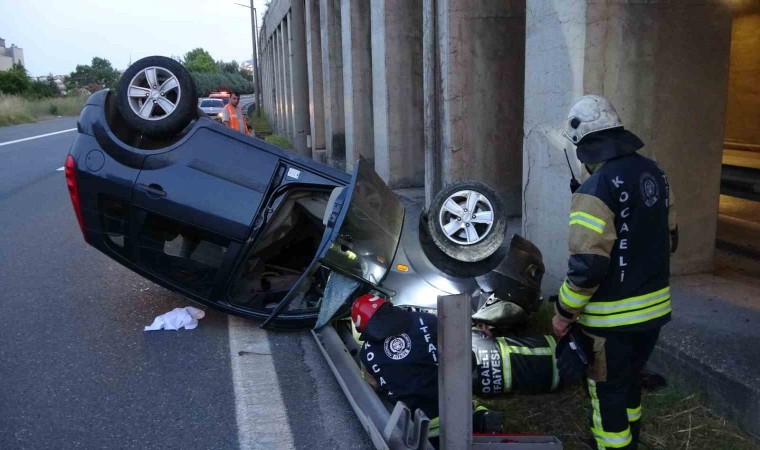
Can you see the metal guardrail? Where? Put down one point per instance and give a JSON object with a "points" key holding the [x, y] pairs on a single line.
{"points": [[399, 430]]}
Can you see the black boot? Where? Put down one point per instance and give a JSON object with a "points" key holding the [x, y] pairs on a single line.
{"points": [[485, 421], [635, 431]]}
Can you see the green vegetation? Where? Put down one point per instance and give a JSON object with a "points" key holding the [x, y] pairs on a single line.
{"points": [[100, 74], [200, 61], [15, 81], [15, 109], [280, 141], [260, 124], [672, 418], [210, 76], [263, 130]]}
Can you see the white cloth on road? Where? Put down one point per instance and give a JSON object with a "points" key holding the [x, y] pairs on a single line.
{"points": [[177, 318]]}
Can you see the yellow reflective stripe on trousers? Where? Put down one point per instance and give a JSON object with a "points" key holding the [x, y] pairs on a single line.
{"points": [[571, 298], [555, 371], [587, 220], [434, 429], [538, 351], [605, 439], [634, 414], [629, 318], [506, 364], [627, 304]]}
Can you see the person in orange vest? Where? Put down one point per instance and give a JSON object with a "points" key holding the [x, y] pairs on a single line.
{"points": [[233, 116]]}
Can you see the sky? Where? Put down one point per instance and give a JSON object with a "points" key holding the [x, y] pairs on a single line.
{"points": [[56, 35]]}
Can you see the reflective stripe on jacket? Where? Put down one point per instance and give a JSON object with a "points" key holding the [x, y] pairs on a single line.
{"points": [[620, 229], [235, 122]]}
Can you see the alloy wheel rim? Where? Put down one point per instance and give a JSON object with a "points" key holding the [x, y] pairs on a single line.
{"points": [[466, 217], [154, 93]]}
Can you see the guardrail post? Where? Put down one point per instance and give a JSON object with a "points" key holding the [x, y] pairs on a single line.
{"points": [[455, 371]]}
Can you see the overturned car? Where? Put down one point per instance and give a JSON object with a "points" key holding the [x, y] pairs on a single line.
{"points": [[238, 224]]}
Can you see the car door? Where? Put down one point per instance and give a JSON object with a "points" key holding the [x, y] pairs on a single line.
{"points": [[361, 235], [193, 208]]}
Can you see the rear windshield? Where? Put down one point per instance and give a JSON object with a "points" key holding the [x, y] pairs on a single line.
{"points": [[212, 103]]}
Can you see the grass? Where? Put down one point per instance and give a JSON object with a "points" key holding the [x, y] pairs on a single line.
{"points": [[264, 130], [672, 419], [15, 110]]}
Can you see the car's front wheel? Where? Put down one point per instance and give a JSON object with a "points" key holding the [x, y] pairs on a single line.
{"points": [[157, 97], [467, 221]]}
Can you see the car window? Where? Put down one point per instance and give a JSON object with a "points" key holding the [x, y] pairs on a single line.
{"points": [[186, 255], [212, 103]]}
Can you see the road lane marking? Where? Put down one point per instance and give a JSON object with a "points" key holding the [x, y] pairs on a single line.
{"points": [[262, 420], [36, 137]]}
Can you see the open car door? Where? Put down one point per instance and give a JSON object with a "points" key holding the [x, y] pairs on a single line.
{"points": [[363, 223]]}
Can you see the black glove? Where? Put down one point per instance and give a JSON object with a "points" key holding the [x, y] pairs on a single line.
{"points": [[571, 359]]}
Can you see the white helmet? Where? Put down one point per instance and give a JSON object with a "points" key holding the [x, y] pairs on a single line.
{"points": [[591, 113]]}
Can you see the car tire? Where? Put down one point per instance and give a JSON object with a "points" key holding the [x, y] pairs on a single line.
{"points": [[157, 97], [467, 234]]}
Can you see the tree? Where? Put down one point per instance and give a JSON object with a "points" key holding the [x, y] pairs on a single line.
{"points": [[228, 67], [43, 89], [94, 77], [15, 80], [199, 60]]}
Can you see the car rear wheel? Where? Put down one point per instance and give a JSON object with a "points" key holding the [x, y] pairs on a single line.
{"points": [[157, 97], [467, 221]]}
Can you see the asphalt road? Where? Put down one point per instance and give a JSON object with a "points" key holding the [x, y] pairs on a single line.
{"points": [[77, 371]]}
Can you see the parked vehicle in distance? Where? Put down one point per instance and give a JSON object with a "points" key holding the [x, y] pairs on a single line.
{"points": [[236, 223], [223, 95], [212, 107]]}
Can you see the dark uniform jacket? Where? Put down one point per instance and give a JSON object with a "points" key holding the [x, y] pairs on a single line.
{"points": [[401, 355], [622, 222]]}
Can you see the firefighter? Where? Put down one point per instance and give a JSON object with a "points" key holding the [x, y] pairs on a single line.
{"points": [[400, 356], [233, 116], [622, 232]]}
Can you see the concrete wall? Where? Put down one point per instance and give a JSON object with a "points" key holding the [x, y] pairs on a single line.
{"points": [[299, 78], [649, 59], [332, 81], [743, 112], [397, 89], [314, 66], [357, 81], [481, 46], [554, 56]]}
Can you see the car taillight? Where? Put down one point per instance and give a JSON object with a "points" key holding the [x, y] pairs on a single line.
{"points": [[71, 182]]}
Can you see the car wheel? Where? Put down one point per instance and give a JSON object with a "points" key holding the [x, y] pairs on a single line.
{"points": [[157, 97], [467, 221]]}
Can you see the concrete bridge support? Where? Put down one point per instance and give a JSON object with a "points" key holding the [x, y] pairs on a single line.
{"points": [[649, 59], [332, 81], [357, 80], [397, 100]]}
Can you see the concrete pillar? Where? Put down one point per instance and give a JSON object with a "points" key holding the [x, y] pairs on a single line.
{"points": [[481, 58], [299, 77], [397, 101], [314, 67], [357, 81], [288, 75], [332, 79], [287, 97], [431, 92], [277, 71], [649, 59]]}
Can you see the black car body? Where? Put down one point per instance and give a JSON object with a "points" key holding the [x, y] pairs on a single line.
{"points": [[233, 222]]}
